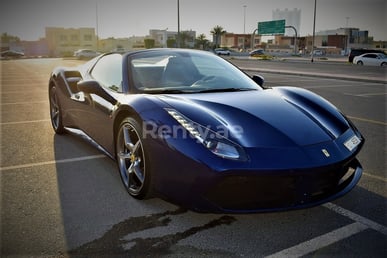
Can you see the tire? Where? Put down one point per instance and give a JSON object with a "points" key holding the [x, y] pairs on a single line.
{"points": [[132, 159], [359, 63], [384, 64], [55, 111]]}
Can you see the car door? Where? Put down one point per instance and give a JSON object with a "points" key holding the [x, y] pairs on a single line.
{"points": [[95, 116], [370, 59]]}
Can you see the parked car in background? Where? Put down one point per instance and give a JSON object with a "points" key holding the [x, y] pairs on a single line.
{"points": [[86, 53], [374, 59], [260, 54], [256, 52], [222, 51], [8, 54], [318, 52], [119, 49], [359, 51]]}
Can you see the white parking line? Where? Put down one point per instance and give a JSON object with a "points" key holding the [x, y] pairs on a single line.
{"points": [[53, 162], [25, 122], [367, 120], [361, 223], [24, 103], [375, 177], [349, 214], [366, 94], [320, 241], [24, 91]]}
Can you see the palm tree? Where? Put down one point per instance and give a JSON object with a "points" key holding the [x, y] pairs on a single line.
{"points": [[217, 31], [201, 41]]}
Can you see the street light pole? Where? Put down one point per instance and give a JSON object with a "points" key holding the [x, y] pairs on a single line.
{"points": [[244, 19], [178, 23], [244, 26], [314, 28], [96, 23]]}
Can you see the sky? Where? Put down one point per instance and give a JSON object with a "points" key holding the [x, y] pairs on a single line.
{"points": [[27, 19]]}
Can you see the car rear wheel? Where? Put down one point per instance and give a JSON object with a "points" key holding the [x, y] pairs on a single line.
{"points": [[55, 111], [359, 63], [131, 159], [384, 64]]}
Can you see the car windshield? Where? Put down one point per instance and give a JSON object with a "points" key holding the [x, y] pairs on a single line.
{"points": [[186, 72]]}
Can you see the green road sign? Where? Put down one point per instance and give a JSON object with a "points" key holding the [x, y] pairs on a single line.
{"points": [[271, 27]]}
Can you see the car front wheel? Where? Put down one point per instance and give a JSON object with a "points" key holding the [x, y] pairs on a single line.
{"points": [[131, 159], [359, 63]]}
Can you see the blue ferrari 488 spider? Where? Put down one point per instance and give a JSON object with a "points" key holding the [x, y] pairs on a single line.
{"points": [[190, 127]]}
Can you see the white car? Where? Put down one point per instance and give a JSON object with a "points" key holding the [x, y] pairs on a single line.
{"points": [[375, 59], [86, 53], [221, 51]]}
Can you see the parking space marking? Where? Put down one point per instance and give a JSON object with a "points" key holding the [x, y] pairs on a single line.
{"points": [[366, 94], [24, 103], [353, 216], [361, 223], [331, 86], [25, 122], [375, 177], [367, 120], [320, 241], [60, 161], [24, 91]]}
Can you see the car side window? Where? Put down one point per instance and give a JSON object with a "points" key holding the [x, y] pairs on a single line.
{"points": [[108, 72], [370, 56]]}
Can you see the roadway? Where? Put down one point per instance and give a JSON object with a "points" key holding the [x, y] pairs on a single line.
{"points": [[61, 197]]}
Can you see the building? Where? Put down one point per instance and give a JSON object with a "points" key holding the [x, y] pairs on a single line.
{"points": [[240, 41], [354, 38], [292, 18], [64, 41], [120, 44], [162, 37]]}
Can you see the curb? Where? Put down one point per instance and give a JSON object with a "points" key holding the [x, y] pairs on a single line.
{"points": [[320, 75]]}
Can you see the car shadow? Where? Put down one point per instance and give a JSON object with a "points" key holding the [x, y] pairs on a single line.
{"points": [[100, 218]]}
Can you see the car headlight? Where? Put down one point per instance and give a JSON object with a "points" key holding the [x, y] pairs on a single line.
{"points": [[213, 141]]}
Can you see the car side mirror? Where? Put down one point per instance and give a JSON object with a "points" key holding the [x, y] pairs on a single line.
{"points": [[258, 79], [93, 87]]}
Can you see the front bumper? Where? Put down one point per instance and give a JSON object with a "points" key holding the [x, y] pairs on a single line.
{"points": [[283, 190]]}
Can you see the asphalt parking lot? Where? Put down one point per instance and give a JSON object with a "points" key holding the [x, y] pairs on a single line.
{"points": [[62, 197]]}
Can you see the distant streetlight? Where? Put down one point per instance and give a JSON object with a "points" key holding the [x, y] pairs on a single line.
{"points": [[314, 28], [244, 19], [244, 25], [96, 23], [346, 23], [178, 23]]}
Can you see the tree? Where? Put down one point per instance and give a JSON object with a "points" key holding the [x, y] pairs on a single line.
{"points": [[184, 36], [149, 43], [5, 38], [217, 31], [201, 42], [171, 42]]}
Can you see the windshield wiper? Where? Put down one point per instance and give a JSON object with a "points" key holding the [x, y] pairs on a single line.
{"points": [[226, 90]]}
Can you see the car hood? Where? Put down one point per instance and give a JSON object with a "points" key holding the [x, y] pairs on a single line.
{"points": [[280, 117]]}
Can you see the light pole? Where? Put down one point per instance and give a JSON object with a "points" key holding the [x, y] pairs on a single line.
{"points": [[314, 29], [244, 26], [96, 23], [178, 23]]}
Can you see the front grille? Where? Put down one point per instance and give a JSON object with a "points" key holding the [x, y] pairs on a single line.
{"points": [[287, 189]]}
